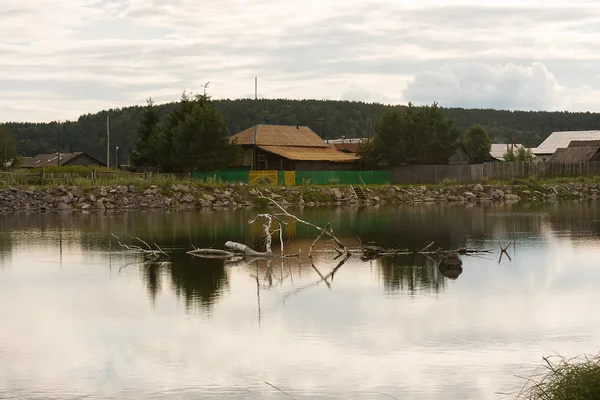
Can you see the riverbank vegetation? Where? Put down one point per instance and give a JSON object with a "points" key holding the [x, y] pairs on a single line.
{"points": [[574, 379]]}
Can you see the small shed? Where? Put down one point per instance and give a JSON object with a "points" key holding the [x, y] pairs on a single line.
{"points": [[62, 159]]}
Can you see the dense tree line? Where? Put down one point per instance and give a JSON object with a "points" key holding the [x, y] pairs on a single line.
{"points": [[411, 135], [330, 119]]}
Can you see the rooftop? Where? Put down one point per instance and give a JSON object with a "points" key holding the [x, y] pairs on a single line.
{"points": [[280, 135], [42, 160], [498, 149], [561, 140], [574, 155]]}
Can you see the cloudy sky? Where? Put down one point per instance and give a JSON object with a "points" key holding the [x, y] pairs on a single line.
{"points": [[59, 59]]}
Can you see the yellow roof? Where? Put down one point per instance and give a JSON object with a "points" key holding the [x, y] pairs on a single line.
{"points": [[280, 135], [299, 153]]}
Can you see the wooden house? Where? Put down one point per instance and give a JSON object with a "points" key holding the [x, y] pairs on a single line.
{"points": [[289, 148]]}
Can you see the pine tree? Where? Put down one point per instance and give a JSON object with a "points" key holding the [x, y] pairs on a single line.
{"points": [[145, 152]]}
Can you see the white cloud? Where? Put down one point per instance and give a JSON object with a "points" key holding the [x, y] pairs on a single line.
{"points": [[510, 86], [314, 48]]}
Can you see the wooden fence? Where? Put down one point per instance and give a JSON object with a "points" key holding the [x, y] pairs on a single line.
{"points": [[416, 174]]}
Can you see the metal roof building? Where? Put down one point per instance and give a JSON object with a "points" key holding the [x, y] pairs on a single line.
{"points": [[561, 140], [498, 149]]}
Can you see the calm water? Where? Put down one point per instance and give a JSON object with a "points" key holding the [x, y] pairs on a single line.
{"points": [[82, 318]]}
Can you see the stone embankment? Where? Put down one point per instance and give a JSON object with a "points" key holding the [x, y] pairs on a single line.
{"points": [[184, 197]]}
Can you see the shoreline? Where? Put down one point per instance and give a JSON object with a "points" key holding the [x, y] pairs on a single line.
{"points": [[189, 197]]}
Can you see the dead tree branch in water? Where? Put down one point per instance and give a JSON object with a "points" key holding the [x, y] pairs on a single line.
{"points": [[149, 252], [285, 213], [371, 252], [235, 249]]}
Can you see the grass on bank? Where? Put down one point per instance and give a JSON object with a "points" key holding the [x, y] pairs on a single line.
{"points": [[572, 379]]}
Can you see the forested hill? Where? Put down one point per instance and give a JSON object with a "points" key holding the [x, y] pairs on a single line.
{"points": [[331, 119]]}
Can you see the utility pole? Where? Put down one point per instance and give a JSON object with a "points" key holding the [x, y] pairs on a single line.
{"points": [[255, 88], [107, 141], [58, 144], [513, 139], [117, 157]]}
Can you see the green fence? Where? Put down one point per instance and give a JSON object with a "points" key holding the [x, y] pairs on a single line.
{"points": [[290, 178], [227, 176], [343, 177]]}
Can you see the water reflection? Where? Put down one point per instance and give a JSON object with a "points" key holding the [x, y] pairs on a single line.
{"points": [[83, 316], [411, 273]]}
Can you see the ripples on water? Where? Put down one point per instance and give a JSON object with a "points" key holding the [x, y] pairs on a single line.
{"points": [[81, 318]]}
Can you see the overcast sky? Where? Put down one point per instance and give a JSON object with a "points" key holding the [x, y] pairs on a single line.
{"points": [[59, 59]]}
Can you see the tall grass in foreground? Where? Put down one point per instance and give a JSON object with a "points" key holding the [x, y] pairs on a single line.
{"points": [[573, 379]]}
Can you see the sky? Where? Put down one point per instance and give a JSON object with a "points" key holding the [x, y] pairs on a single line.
{"points": [[60, 59]]}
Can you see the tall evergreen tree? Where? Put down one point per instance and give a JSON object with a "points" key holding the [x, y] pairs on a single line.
{"points": [[145, 152], [201, 140], [167, 158], [8, 147], [477, 144]]}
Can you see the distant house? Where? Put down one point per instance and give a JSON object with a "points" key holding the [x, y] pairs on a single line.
{"points": [[45, 160], [561, 140], [499, 149], [578, 152], [347, 145], [459, 157], [285, 147]]}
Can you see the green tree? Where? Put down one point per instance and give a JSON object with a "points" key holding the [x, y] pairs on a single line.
{"points": [[167, 158], [145, 152], [201, 139], [510, 155], [522, 154], [477, 144], [8, 147], [411, 135]]}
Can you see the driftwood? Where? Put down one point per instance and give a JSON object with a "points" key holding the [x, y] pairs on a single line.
{"points": [[146, 251], [235, 249], [285, 213], [371, 252]]}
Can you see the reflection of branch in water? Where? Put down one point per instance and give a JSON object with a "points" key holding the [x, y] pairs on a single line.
{"points": [[145, 264], [323, 279], [258, 292], [503, 251]]}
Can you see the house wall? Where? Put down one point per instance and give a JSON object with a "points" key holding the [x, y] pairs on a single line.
{"points": [[268, 161]]}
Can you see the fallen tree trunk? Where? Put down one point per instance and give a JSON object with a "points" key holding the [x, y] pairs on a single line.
{"points": [[247, 251]]}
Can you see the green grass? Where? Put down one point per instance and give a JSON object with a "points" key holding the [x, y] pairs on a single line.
{"points": [[574, 379]]}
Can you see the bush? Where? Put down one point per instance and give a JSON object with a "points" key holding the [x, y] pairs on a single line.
{"points": [[572, 379], [448, 182]]}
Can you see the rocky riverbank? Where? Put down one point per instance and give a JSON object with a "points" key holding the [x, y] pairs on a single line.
{"points": [[184, 197]]}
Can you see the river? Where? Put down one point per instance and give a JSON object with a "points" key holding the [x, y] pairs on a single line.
{"points": [[82, 317]]}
